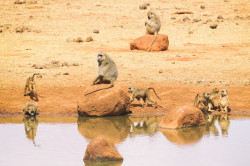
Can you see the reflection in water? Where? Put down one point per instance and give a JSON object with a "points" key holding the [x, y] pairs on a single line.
{"points": [[184, 136], [210, 126], [30, 126], [194, 134], [145, 125], [114, 129], [103, 163], [224, 123]]}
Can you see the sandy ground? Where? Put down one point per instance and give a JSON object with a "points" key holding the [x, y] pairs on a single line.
{"points": [[199, 58]]}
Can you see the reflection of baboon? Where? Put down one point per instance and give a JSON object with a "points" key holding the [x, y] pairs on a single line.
{"points": [[210, 126], [31, 86], [146, 125], [30, 109], [30, 126], [224, 123], [107, 71], [224, 102], [204, 101], [142, 94], [213, 97], [153, 26]]}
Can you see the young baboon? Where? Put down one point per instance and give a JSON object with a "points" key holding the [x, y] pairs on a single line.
{"points": [[204, 101], [213, 96], [153, 26], [30, 109], [224, 102], [31, 86], [142, 94], [107, 71]]}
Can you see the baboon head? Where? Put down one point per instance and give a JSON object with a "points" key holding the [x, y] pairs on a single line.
{"points": [[131, 89], [206, 95], [151, 14], [101, 57], [224, 92], [215, 90]]}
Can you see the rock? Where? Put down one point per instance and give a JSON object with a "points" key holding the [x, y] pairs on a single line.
{"points": [[89, 39], [70, 39], [184, 12], [144, 6], [144, 42], [95, 31], [196, 20], [185, 19], [161, 71], [202, 6], [107, 102], [66, 73], [100, 149], [79, 40], [220, 17], [213, 26], [20, 2], [184, 116]]}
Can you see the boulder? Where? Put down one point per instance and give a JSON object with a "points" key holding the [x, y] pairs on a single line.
{"points": [[143, 43], [107, 102], [184, 116], [100, 149]]}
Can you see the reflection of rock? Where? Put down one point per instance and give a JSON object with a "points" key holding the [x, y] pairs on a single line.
{"points": [[30, 126], [114, 129], [103, 163], [113, 101], [184, 136], [100, 149], [224, 123], [184, 116], [143, 43]]}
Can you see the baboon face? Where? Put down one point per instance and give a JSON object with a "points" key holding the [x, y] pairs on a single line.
{"points": [[206, 95], [151, 14], [32, 111], [131, 89], [101, 57], [216, 90], [224, 92]]}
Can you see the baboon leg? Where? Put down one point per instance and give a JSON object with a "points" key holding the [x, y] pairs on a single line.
{"points": [[145, 101], [152, 100], [132, 97], [96, 79], [140, 100], [25, 88], [226, 109]]}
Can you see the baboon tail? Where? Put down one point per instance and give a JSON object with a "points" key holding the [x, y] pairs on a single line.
{"points": [[99, 90], [154, 92], [196, 100], [156, 34]]}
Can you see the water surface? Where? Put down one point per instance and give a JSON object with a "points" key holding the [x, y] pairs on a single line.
{"points": [[62, 141]]}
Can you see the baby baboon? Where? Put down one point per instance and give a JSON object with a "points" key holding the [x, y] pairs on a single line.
{"points": [[31, 86], [213, 96], [144, 6], [107, 71], [204, 101], [30, 109], [224, 102], [142, 94], [153, 26]]}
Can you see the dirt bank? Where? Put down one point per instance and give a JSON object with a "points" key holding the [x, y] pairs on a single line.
{"points": [[33, 40]]}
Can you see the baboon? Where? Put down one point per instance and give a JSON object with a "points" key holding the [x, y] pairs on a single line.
{"points": [[153, 26], [142, 94], [204, 101], [144, 6], [224, 102], [30, 126], [224, 123], [213, 96], [30, 109], [31, 86], [107, 71]]}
